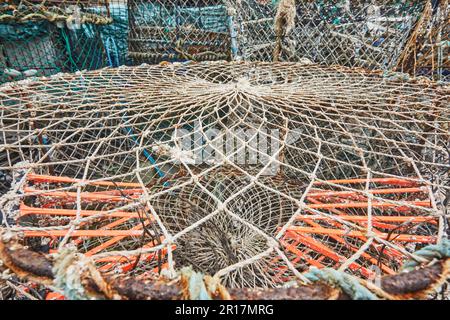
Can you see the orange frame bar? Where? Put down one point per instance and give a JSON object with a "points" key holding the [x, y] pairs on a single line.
{"points": [[44, 178], [394, 181], [397, 237], [88, 196], [328, 193], [399, 219], [26, 210], [84, 233], [374, 204], [390, 252]]}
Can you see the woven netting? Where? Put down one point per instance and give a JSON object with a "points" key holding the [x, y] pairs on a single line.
{"points": [[370, 34], [253, 172]]}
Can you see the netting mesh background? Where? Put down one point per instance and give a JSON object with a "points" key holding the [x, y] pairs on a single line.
{"points": [[38, 38], [178, 30], [353, 33], [252, 172]]}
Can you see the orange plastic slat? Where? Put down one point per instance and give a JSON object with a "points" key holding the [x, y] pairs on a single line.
{"points": [[397, 237], [27, 210], [45, 178], [393, 181], [374, 204]]}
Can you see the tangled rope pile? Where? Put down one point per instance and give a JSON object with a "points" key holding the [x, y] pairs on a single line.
{"points": [[53, 14]]}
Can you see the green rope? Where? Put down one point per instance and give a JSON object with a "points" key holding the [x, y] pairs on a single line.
{"points": [[69, 51], [434, 251], [350, 285]]}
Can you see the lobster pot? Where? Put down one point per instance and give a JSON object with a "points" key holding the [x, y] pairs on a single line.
{"points": [[178, 30], [349, 33], [251, 171]]}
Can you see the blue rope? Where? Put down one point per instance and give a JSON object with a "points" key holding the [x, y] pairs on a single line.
{"points": [[108, 54], [347, 283], [233, 35], [434, 251], [115, 52], [146, 153]]}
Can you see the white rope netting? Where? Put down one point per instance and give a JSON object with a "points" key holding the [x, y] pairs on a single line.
{"points": [[252, 172], [408, 36]]}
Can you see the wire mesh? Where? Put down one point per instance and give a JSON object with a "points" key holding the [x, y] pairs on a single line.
{"points": [[252, 172]]}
